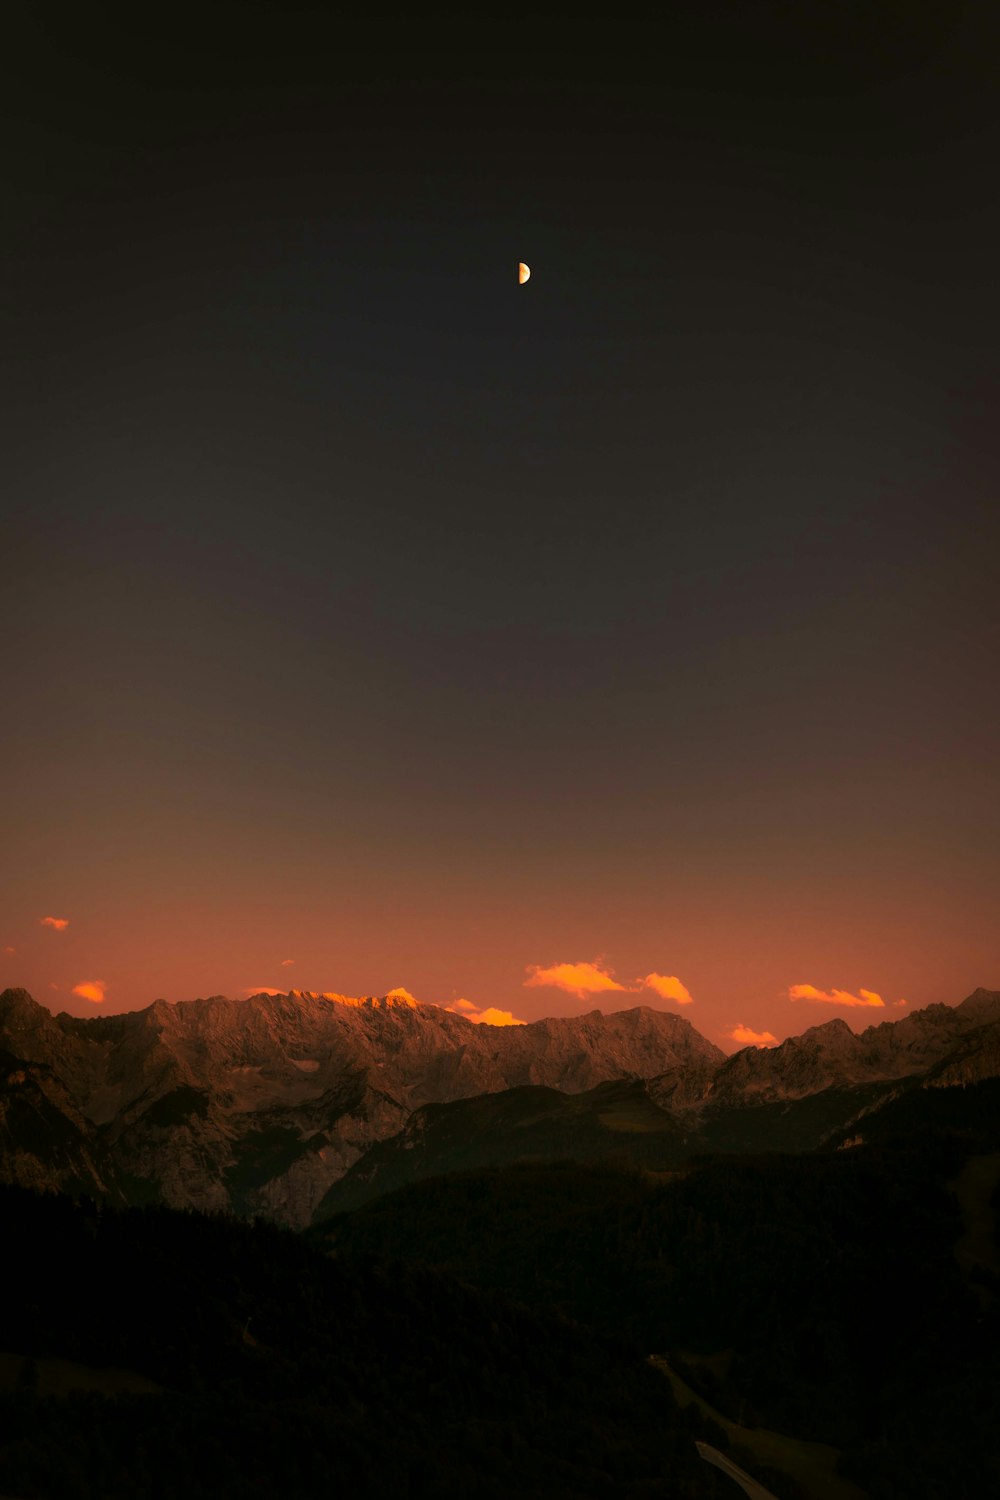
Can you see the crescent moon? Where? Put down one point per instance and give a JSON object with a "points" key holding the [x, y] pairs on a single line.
{"points": [[523, 272]]}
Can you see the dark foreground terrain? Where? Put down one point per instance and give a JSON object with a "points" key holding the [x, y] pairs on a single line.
{"points": [[282, 1372], [490, 1333], [850, 1297]]}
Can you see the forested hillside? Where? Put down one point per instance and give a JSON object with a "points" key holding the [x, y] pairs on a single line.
{"points": [[286, 1373], [818, 1294]]}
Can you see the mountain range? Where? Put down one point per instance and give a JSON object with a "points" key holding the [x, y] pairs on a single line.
{"points": [[290, 1106]]}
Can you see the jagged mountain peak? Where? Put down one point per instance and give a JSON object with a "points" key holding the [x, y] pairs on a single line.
{"points": [[19, 1008], [983, 1005], [835, 1031]]}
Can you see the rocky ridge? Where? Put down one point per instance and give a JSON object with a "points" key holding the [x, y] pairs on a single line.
{"points": [[263, 1105], [259, 1105]]}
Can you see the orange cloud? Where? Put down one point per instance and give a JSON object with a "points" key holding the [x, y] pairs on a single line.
{"points": [[399, 993], [580, 980], [91, 989], [488, 1017], [748, 1038], [59, 924], [899, 1002], [9, 949], [668, 987], [493, 1017], [834, 997], [286, 963], [262, 989]]}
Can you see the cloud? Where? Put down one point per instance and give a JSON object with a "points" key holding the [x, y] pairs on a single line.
{"points": [[493, 1017], [91, 989], [58, 924], [399, 993], [580, 980], [9, 949], [286, 963], [488, 1017], [899, 1002], [668, 987], [749, 1038], [262, 989], [834, 997]]}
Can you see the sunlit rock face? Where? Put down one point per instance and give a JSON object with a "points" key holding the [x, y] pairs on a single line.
{"points": [[259, 1105]]}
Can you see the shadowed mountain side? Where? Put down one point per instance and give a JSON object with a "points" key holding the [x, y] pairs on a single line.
{"points": [[642, 1124], [44, 1141], [616, 1121]]}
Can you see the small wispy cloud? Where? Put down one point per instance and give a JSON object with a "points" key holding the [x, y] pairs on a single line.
{"points": [[491, 1016], [286, 963], [262, 989], [58, 924], [747, 1037], [9, 950], [897, 1003], [91, 989], [668, 987], [579, 979], [834, 997]]}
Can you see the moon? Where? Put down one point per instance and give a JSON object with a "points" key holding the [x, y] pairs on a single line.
{"points": [[523, 272]]}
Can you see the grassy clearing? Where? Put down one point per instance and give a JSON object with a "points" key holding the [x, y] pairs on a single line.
{"points": [[58, 1377], [633, 1119], [811, 1465]]}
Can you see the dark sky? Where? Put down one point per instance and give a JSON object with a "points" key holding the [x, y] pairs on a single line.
{"points": [[367, 609]]}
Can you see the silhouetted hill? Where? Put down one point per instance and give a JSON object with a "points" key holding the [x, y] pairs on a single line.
{"points": [[617, 1121]]}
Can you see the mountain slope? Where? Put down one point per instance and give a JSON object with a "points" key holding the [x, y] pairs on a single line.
{"points": [[263, 1105], [260, 1105], [825, 1086]]}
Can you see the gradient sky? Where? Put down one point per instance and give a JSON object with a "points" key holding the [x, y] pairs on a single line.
{"points": [[367, 610]]}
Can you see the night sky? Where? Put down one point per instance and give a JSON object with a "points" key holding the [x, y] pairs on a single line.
{"points": [[368, 610]]}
